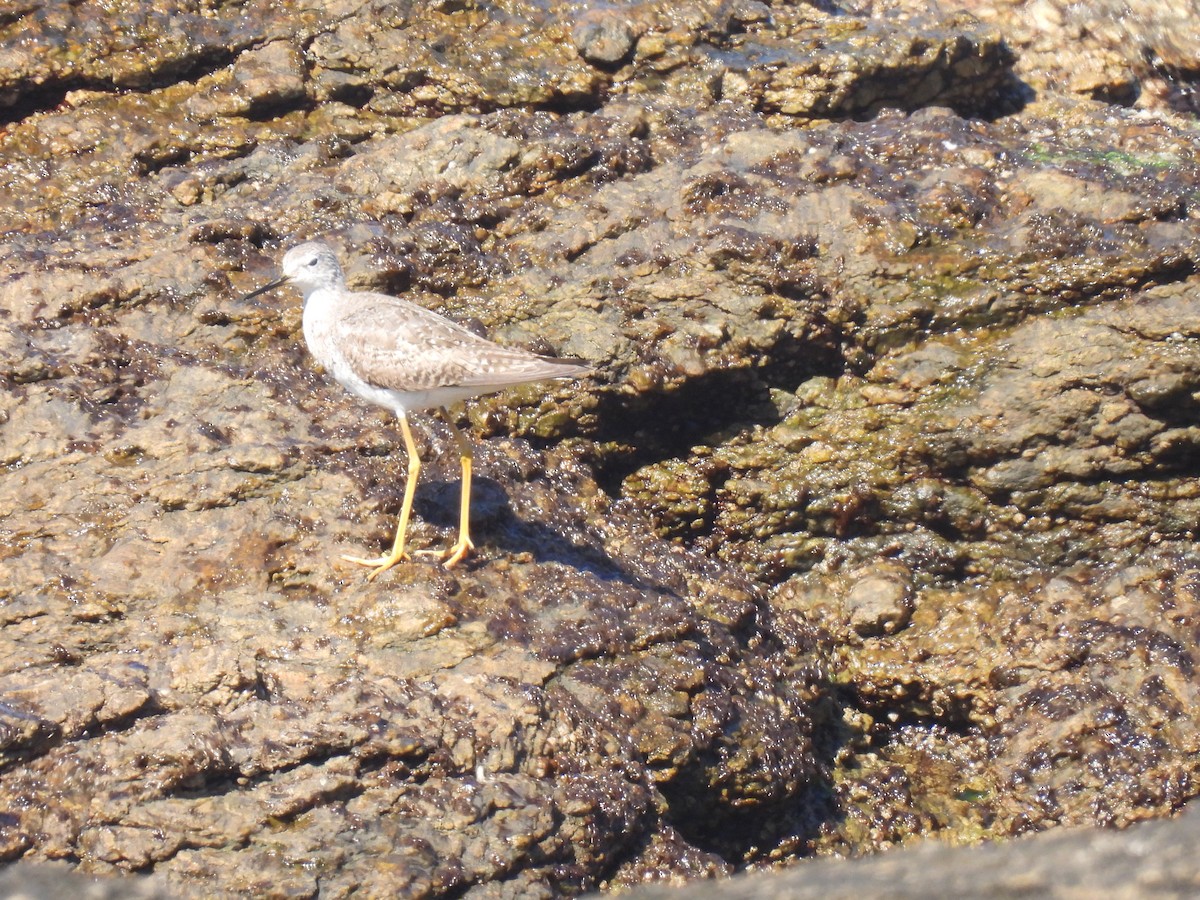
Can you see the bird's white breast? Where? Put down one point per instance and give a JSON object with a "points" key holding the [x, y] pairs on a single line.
{"points": [[319, 321], [321, 334]]}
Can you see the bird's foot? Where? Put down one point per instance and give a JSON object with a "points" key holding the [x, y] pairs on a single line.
{"points": [[381, 563], [452, 557], [455, 554]]}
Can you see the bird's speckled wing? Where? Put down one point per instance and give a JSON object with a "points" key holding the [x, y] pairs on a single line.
{"points": [[394, 344]]}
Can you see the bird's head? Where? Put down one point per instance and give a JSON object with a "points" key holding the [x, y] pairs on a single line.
{"points": [[310, 266]]}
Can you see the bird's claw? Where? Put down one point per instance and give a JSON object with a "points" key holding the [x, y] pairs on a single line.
{"points": [[380, 563], [452, 557]]}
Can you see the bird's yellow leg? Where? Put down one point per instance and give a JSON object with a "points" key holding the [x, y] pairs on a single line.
{"points": [[464, 544], [383, 563]]}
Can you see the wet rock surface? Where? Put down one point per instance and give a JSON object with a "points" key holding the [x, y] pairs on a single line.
{"points": [[876, 521], [1132, 53]]}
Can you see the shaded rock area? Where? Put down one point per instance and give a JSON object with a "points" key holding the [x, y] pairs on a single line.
{"points": [[37, 880], [876, 521], [1153, 859]]}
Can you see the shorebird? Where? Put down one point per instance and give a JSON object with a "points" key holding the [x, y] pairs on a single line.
{"points": [[405, 358]]}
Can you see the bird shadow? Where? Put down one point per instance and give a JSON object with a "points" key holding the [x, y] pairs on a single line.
{"points": [[495, 522], [531, 517]]}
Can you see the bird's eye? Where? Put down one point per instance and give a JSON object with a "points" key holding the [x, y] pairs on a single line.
{"points": [[312, 262]]}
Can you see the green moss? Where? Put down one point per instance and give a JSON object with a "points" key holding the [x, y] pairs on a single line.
{"points": [[1119, 161]]}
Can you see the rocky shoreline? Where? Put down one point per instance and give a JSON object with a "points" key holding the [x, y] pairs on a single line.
{"points": [[876, 523]]}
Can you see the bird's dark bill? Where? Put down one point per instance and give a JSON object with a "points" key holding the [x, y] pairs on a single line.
{"points": [[270, 286]]}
